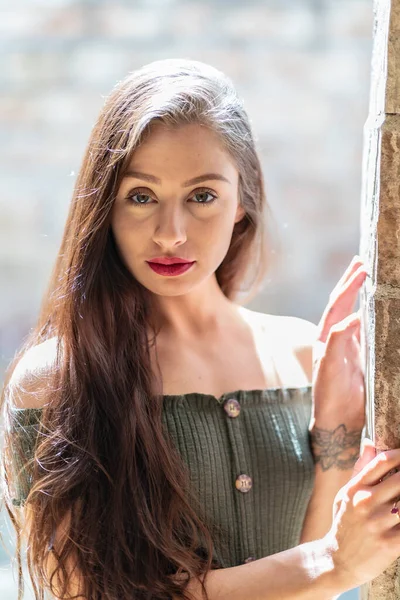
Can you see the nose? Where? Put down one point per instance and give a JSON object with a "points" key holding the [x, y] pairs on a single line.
{"points": [[170, 229]]}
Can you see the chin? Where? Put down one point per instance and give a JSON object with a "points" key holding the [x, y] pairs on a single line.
{"points": [[171, 287]]}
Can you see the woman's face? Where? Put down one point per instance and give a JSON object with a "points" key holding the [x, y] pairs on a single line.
{"points": [[179, 198]]}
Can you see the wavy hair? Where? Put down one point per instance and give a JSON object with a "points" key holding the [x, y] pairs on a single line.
{"points": [[103, 456]]}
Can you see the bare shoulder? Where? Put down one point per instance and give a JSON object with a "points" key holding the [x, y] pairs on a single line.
{"points": [[301, 331], [296, 330], [31, 376], [297, 334]]}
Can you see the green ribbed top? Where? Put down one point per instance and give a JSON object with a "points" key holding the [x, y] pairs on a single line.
{"points": [[267, 441]]}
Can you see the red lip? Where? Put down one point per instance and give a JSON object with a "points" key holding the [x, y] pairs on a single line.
{"points": [[170, 270], [164, 260]]}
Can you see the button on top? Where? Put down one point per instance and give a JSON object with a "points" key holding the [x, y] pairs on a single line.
{"points": [[249, 559], [243, 483], [232, 407]]}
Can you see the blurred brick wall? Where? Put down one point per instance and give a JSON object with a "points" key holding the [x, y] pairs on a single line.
{"points": [[302, 66]]}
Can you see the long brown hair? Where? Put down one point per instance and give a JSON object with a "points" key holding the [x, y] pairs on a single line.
{"points": [[102, 453]]}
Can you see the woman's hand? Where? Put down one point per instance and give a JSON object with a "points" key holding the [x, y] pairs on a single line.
{"points": [[338, 390], [338, 377], [365, 533]]}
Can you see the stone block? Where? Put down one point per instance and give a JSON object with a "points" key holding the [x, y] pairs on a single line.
{"points": [[393, 80], [388, 240], [387, 372]]}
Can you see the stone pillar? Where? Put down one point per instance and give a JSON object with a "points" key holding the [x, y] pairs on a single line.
{"points": [[380, 250]]}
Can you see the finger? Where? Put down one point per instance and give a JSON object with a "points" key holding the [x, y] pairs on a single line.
{"points": [[378, 467], [357, 330], [345, 328], [346, 296], [388, 490], [354, 329], [355, 263], [339, 335], [393, 534], [367, 453], [383, 519], [340, 306]]}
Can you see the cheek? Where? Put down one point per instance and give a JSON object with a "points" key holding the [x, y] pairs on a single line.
{"points": [[125, 222], [127, 236], [218, 235], [222, 224]]}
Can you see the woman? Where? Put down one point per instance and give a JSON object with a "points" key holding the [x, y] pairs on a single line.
{"points": [[155, 429]]}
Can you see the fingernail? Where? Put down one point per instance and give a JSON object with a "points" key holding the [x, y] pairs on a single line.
{"points": [[366, 441], [354, 324]]}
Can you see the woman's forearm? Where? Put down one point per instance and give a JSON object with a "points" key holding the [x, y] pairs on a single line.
{"points": [[305, 572], [335, 450], [318, 519]]}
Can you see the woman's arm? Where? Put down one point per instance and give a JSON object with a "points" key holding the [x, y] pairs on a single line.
{"points": [[74, 579], [305, 572], [330, 446], [329, 478]]}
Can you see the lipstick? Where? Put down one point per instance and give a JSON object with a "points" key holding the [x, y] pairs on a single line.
{"points": [[171, 269]]}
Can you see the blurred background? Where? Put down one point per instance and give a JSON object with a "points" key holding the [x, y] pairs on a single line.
{"points": [[303, 69]]}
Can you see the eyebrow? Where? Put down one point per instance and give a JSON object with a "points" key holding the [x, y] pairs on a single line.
{"points": [[199, 179]]}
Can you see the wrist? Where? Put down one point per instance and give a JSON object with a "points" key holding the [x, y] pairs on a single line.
{"points": [[335, 445], [340, 578], [325, 569], [332, 421]]}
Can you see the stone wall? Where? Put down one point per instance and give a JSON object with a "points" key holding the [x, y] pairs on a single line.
{"points": [[380, 249]]}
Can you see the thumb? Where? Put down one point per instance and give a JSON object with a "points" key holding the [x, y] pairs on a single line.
{"points": [[367, 453]]}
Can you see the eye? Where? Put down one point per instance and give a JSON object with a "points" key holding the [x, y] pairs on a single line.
{"points": [[204, 192], [143, 197], [140, 197]]}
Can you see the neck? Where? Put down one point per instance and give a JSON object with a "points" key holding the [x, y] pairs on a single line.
{"points": [[202, 312]]}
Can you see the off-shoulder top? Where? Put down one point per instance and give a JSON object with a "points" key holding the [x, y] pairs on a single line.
{"points": [[249, 460]]}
